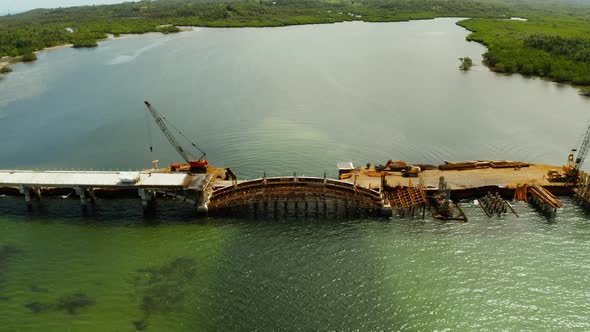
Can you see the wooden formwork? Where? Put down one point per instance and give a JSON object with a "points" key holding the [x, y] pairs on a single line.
{"points": [[311, 195], [406, 200]]}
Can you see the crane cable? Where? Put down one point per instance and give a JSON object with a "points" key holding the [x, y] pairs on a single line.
{"points": [[147, 123], [183, 135], [582, 136]]}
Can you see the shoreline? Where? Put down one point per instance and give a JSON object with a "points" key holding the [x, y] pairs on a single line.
{"points": [[7, 60]]}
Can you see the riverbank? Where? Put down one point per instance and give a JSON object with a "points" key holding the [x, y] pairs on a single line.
{"points": [[506, 52], [546, 47], [7, 61]]}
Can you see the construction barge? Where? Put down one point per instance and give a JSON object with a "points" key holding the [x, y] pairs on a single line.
{"points": [[389, 190]]}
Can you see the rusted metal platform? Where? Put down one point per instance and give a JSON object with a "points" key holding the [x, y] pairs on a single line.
{"points": [[468, 180], [544, 199]]}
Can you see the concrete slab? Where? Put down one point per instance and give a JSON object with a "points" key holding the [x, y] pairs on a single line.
{"points": [[108, 179]]}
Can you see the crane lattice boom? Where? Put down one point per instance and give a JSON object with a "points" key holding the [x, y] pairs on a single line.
{"points": [[583, 150], [160, 121]]}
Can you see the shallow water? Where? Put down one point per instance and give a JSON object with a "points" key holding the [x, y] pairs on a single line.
{"points": [[222, 274], [278, 101]]}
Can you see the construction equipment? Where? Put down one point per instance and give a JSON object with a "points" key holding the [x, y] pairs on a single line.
{"points": [[196, 165], [411, 171], [571, 170]]}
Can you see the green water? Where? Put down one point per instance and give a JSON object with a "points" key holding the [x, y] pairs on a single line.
{"points": [[284, 100], [527, 273]]}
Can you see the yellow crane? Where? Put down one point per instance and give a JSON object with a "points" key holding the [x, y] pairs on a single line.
{"points": [[571, 170]]}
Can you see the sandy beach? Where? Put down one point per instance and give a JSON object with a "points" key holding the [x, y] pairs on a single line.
{"points": [[54, 48], [7, 60]]}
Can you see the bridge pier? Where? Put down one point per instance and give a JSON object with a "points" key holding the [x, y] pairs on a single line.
{"points": [[27, 192], [386, 210], [86, 195], [148, 199], [201, 202]]}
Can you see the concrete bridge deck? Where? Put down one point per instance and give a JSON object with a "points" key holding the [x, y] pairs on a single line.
{"points": [[102, 179], [84, 183]]}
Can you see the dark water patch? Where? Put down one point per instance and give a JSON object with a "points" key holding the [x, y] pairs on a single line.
{"points": [[162, 288], [39, 307], [72, 303], [38, 289], [7, 252], [126, 212], [140, 325]]}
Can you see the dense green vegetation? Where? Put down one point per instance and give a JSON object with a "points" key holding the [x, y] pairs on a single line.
{"points": [[466, 63], [575, 48], [29, 56], [554, 42], [553, 47], [168, 29], [83, 26]]}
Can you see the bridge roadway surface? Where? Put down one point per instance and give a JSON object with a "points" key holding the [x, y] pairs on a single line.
{"points": [[104, 179], [456, 179]]}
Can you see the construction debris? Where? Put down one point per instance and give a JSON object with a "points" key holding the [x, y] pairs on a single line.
{"points": [[443, 206], [543, 199], [494, 204], [407, 199], [477, 164]]}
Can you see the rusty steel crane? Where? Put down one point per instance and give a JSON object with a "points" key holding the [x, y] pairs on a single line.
{"points": [[571, 170], [575, 164], [196, 165]]}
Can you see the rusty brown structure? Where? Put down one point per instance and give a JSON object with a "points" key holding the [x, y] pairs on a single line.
{"points": [[582, 190], [543, 199], [406, 200], [305, 196]]}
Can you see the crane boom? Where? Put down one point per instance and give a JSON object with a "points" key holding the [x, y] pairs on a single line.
{"points": [[583, 150], [160, 122], [196, 164]]}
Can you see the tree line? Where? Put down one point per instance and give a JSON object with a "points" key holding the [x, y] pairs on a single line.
{"points": [[41, 28]]}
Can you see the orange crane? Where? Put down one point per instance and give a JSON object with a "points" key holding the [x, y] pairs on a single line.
{"points": [[196, 165], [571, 170]]}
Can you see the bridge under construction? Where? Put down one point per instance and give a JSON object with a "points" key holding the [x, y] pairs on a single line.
{"points": [[370, 191]]}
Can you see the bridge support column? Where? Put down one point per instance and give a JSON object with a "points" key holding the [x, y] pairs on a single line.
{"points": [[148, 199], [86, 195], [37, 192], [386, 210], [201, 202], [91, 196], [27, 192]]}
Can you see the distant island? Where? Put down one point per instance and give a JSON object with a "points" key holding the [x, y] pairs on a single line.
{"points": [[514, 46]]}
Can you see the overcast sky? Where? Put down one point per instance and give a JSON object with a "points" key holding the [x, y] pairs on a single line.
{"points": [[17, 6]]}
